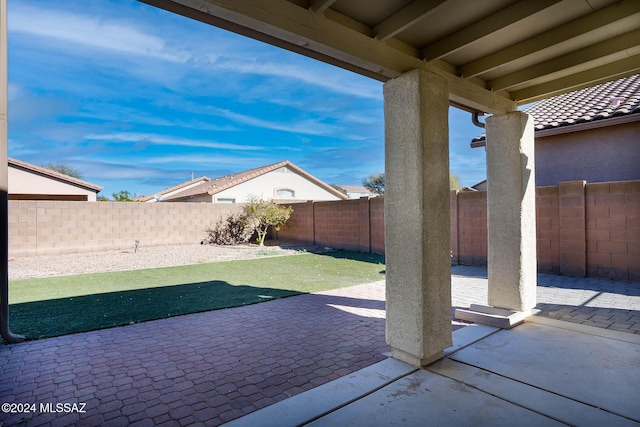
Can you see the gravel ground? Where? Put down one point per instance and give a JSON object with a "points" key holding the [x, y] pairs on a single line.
{"points": [[145, 257]]}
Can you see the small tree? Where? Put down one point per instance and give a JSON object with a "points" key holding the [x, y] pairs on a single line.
{"points": [[123, 196], [375, 183], [263, 214], [63, 169], [454, 182]]}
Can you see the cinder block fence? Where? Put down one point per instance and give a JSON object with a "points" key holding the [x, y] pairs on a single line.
{"points": [[583, 229], [53, 227]]}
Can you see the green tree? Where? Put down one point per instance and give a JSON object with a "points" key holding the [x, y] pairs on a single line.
{"points": [[454, 182], [375, 183], [263, 214], [101, 198], [64, 169], [123, 196]]}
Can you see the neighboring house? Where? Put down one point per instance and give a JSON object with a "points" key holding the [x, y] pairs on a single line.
{"points": [[282, 182], [481, 186], [171, 191], [31, 182], [592, 134], [357, 191]]}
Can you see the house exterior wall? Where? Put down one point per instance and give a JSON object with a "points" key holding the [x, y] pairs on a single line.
{"points": [[595, 155], [265, 187], [23, 182], [54, 227]]}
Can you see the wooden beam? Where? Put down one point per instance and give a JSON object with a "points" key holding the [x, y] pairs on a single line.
{"points": [[625, 9], [405, 18], [494, 22], [286, 25], [612, 71], [625, 42], [319, 6]]}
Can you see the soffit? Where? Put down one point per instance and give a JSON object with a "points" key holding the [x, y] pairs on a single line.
{"points": [[495, 54]]}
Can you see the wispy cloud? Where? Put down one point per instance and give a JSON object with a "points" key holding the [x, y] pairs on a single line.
{"points": [[236, 163], [165, 140], [91, 31], [303, 126], [322, 75]]}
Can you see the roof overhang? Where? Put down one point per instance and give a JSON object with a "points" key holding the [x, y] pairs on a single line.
{"points": [[495, 54], [575, 128]]}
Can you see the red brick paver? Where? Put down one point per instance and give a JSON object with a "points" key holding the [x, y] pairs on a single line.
{"points": [[213, 367], [204, 368]]}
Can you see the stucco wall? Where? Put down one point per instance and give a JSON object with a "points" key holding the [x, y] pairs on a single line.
{"points": [[265, 186], [594, 155], [23, 182]]}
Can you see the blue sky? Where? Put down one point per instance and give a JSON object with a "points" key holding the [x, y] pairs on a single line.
{"points": [[137, 98]]}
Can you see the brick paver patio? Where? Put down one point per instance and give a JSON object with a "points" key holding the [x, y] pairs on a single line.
{"points": [[209, 368]]}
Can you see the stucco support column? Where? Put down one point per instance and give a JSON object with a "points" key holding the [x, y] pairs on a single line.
{"points": [[511, 211], [416, 208]]}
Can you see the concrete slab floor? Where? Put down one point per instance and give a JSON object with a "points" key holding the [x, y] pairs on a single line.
{"points": [[544, 372]]}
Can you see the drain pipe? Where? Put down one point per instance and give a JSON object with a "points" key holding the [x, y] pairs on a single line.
{"points": [[474, 119], [5, 331]]}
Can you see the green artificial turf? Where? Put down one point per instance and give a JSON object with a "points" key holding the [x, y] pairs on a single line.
{"points": [[62, 305]]}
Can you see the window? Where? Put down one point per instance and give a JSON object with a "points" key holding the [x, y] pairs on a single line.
{"points": [[222, 200], [285, 193]]}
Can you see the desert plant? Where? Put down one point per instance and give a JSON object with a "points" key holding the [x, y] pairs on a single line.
{"points": [[233, 230]]}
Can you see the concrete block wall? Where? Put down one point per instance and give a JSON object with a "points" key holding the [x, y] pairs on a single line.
{"points": [[548, 225], [52, 227], [572, 215], [376, 218], [613, 230], [354, 225], [583, 229], [300, 227], [337, 224], [471, 222]]}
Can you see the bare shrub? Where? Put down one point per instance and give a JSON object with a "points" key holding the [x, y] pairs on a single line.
{"points": [[232, 230]]}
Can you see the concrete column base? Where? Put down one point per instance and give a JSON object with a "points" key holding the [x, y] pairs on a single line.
{"points": [[412, 360], [492, 316]]}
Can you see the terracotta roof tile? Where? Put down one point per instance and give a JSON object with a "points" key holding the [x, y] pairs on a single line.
{"points": [[604, 101], [217, 185]]}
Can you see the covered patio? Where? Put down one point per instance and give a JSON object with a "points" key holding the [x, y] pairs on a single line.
{"points": [[486, 57]]}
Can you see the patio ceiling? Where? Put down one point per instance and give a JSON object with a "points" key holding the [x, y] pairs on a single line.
{"points": [[495, 54]]}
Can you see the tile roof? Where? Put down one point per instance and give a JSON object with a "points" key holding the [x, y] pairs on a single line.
{"points": [[355, 188], [605, 101], [49, 173], [217, 185], [170, 189]]}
